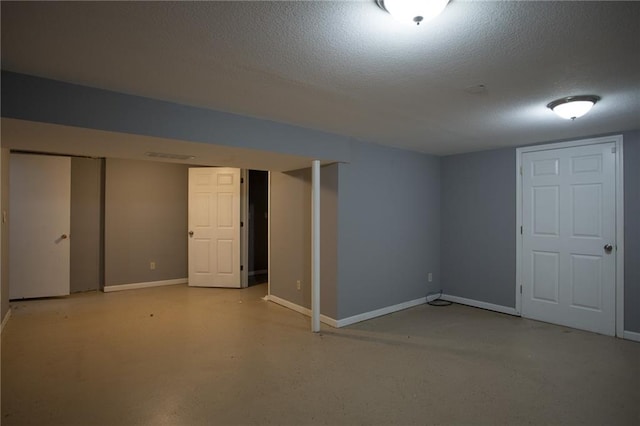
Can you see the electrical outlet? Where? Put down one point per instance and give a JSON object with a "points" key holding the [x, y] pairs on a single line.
{"points": [[430, 277], [152, 265], [298, 284]]}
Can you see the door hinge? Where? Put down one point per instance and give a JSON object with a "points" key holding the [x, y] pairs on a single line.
{"points": [[241, 180], [242, 267], [613, 150], [520, 289], [520, 170], [241, 224], [521, 230]]}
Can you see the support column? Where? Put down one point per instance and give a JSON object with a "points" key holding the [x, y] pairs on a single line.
{"points": [[315, 246]]}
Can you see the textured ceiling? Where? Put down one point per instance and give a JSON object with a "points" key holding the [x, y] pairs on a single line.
{"points": [[348, 67]]}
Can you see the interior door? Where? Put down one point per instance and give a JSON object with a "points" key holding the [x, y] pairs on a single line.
{"points": [[214, 227], [39, 224], [569, 247]]}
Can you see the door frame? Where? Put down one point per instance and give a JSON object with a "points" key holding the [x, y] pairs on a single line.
{"points": [[244, 228], [619, 215], [245, 217], [268, 234]]}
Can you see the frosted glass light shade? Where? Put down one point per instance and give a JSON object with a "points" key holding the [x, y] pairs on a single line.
{"points": [[573, 107], [413, 11]]}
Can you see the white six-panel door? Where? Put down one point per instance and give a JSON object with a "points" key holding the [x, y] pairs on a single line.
{"points": [[214, 227], [39, 220], [568, 217]]}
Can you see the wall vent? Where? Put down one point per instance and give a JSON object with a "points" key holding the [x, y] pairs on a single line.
{"points": [[170, 156]]}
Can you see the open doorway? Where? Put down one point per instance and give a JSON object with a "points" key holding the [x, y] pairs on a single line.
{"points": [[258, 259]]}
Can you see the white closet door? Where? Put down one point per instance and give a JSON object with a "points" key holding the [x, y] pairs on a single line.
{"points": [[569, 237], [39, 224]]}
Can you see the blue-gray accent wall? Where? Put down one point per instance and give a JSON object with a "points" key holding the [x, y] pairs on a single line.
{"points": [[39, 99], [478, 226], [388, 228]]}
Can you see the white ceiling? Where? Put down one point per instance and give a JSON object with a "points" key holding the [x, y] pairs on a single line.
{"points": [[349, 68]]}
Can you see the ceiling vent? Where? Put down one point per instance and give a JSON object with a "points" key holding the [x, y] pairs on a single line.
{"points": [[166, 155]]}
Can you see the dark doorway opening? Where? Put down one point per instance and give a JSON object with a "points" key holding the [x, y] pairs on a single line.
{"points": [[258, 227]]}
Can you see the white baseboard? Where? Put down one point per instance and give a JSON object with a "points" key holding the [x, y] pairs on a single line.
{"points": [[353, 319], [258, 272], [631, 335], [135, 286], [300, 309], [380, 312], [482, 305], [5, 320]]}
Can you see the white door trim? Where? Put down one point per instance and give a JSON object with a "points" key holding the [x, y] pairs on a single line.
{"points": [[268, 233], [244, 230], [619, 218]]}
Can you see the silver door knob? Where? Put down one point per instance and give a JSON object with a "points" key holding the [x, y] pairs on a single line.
{"points": [[608, 248], [191, 233]]}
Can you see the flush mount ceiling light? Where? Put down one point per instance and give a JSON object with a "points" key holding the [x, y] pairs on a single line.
{"points": [[573, 107], [413, 11]]}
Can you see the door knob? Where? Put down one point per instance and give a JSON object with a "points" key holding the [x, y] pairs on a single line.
{"points": [[191, 233], [64, 236], [608, 248]]}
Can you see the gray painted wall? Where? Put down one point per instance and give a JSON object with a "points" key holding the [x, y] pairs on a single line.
{"points": [[4, 207], [39, 99], [86, 224], [291, 237], [388, 228], [632, 231], [478, 226], [145, 220], [389, 204]]}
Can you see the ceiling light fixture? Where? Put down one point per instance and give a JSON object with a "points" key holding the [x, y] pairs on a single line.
{"points": [[413, 11], [572, 107]]}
